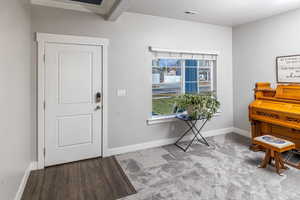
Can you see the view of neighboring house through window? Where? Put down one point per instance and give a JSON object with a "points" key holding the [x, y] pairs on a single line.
{"points": [[174, 76]]}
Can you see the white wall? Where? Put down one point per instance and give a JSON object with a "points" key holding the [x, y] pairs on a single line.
{"points": [[16, 138], [130, 64], [255, 47]]}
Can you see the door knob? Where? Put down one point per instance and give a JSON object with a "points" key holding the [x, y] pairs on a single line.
{"points": [[97, 108]]}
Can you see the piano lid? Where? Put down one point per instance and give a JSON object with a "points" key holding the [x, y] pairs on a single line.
{"points": [[288, 92]]}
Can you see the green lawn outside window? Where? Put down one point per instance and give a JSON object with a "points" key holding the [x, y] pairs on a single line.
{"points": [[163, 106]]}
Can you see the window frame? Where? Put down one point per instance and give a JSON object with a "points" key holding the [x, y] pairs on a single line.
{"points": [[154, 119]]}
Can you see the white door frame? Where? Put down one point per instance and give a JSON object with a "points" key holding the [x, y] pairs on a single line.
{"points": [[42, 39]]}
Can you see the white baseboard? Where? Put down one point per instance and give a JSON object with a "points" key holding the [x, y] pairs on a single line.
{"points": [[218, 132], [242, 132], [32, 166], [162, 142]]}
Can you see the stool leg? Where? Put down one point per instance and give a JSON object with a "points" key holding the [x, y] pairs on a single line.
{"points": [[278, 163], [281, 161], [266, 159], [271, 157]]}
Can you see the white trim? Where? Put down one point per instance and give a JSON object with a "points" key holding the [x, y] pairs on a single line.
{"points": [[162, 142], [169, 118], [43, 38], [72, 39], [31, 166], [118, 9], [163, 50], [242, 132], [105, 99], [40, 109], [72, 5], [161, 119]]}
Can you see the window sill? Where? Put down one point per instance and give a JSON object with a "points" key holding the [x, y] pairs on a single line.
{"points": [[169, 118], [161, 119]]}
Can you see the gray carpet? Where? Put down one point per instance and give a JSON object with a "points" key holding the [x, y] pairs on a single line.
{"points": [[225, 170]]}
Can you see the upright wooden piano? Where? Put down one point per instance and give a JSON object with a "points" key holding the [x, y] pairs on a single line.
{"points": [[276, 112]]}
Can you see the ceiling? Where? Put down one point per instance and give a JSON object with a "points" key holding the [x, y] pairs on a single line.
{"points": [[221, 12]]}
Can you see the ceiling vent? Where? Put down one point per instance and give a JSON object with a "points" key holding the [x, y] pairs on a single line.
{"points": [[94, 2]]}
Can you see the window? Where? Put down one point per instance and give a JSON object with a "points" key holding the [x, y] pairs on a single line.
{"points": [[175, 74]]}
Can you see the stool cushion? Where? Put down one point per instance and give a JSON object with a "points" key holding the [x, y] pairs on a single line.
{"points": [[274, 141]]}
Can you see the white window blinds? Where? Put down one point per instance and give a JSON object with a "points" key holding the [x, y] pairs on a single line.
{"points": [[178, 54]]}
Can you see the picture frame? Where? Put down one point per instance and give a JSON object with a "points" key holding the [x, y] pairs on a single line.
{"points": [[288, 69]]}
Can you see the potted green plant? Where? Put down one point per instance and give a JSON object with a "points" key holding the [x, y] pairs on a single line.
{"points": [[198, 105]]}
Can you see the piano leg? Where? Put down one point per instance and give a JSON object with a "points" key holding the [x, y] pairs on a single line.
{"points": [[255, 133]]}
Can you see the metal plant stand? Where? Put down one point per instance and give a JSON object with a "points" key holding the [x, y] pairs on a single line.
{"points": [[191, 123]]}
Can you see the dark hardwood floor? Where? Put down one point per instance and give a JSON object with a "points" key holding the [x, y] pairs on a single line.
{"points": [[95, 179]]}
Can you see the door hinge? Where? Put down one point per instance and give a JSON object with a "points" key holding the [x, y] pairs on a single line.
{"points": [[44, 105], [44, 152], [44, 58]]}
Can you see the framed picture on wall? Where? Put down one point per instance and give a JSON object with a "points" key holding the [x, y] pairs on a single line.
{"points": [[288, 69]]}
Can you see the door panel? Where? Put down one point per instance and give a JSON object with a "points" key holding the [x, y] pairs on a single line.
{"points": [[77, 87], [74, 130], [72, 122]]}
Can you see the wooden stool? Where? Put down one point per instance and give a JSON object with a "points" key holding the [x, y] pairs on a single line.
{"points": [[274, 147]]}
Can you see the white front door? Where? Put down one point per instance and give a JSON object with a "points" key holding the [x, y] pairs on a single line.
{"points": [[73, 114]]}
